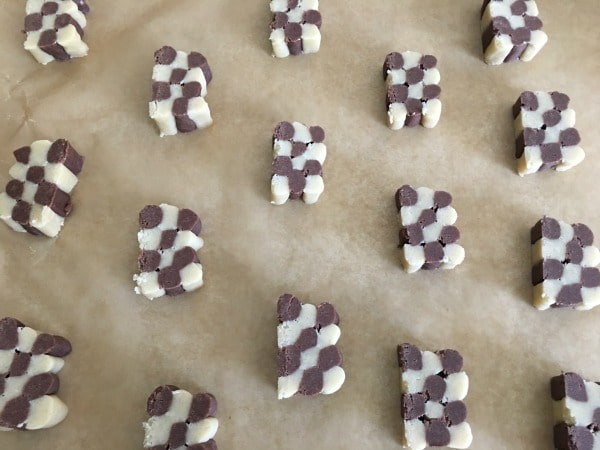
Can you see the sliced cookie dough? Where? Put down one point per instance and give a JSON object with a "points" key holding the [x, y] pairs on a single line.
{"points": [[29, 364], [179, 85], [565, 272], [168, 263], [298, 156], [576, 412], [511, 30], [295, 28], [38, 199], [54, 29], [180, 420], [309, 361], [434, 386], [428, 237], [413, 90], [545, 133]]}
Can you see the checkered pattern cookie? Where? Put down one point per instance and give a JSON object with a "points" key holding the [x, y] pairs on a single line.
{"points": [[576, 412], [295, 27], [29, 363], [167, 260], [37, 199], [565, 272], [545, 137], [413, 90], [179, 84], [54, 29], [428, 237], [433, 388], [180, 420], [511, 30], [299, 154], [309, 361]]}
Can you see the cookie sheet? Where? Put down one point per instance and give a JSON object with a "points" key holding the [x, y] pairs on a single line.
{"points": [[222, 337]]}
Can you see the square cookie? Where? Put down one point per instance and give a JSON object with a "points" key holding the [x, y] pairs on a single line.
{"points": [[179, 420], [309, 361], [545, 133], [434, 386], [295, 28], [576, 412], [38, 199], [511, 30], [168, 263], [29, 366], [179, 84], [428, 237], [54, 29], [565, 272], [413, 90], [298, 156]]}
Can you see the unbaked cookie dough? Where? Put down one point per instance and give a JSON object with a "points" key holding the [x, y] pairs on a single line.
{"points": [[179, 84], [308, 359], [38, 199], [298, 157], [565, 272], [433, 388], [54, 29], [511, 30], [428, 237], [413, 90], [295, 27], [545, 133], [168, 263], [180, 420], [576, 412], [29, 363]]}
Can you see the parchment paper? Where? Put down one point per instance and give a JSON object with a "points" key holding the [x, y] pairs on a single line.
{"points": [[222, 337]]}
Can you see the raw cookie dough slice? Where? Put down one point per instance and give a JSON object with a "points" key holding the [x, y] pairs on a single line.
{"points": [[167, 260], [179, 84], [29, 363], [545, 133], [295, 27], [180, 420], [511, 30], [298, 157], [54, 29], [428, 237], [413, 90], [576, 412], [38, 199], [565, 272], [433, 388], [309, 361]]}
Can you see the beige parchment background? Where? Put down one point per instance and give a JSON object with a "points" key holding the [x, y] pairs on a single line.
{"points": [[221, 338]]}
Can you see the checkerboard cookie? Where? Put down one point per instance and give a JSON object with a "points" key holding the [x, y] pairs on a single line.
{"points": [[180, 420], [298, 156], [565, 272], [413, 90], [309, 361], [545, 133], [295, 28], [29, 364], [38, 199], [54, 29], [179, 85], [434, 386], [168, 263], [511, 30], [428, 237], [576, 412]]}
